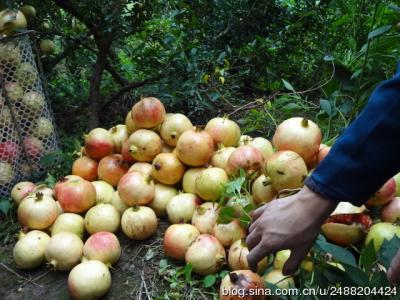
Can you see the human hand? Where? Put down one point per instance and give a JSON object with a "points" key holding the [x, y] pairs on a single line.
{"points": [[393, 273], [288, 223]]}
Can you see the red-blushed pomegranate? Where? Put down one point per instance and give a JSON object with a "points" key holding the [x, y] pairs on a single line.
{"points": [[104, 191], [102, 246], [397, 180], [144, 145], [37, 211], [130, 125], [69, 222], [142, 167], [384, 195], [262, 190], [9, 151], [223, 131], [21, 190], [262, 145], [173, 127], [210, 183], [189, 179], [162, 194], [89, 280], [119, 134], [102, 217], [221, 156], [75, 194], [29, 251], [391, 211], [229, 233], [177, 239], [205, 217], [14, 91], [64, 251], [287, 170], [148, 112], [195, 147], [85, 167], [34, 101], [206, 255], [276, 277], [323, 152], [242, 284], [99, 143], [6, 173], [117, 202], [136, 189], [299, 135], [237, 258], [347, 224], [126, 155], [34, 147], [240, 204], [244, 140], [167, 168], [139, 222], [282, 256], [43, 128], [112, 168], [247, 158], [180, 208], [380, 232]]}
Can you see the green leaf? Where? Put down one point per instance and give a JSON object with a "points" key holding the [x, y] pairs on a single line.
{"points": [[188, 272], [379, 31], [226, 215], [287, 85], [368, 256], [209, 280], [291, 107], [5, 206], [340, 254], [355, 275], [326, 107], [50, 180], [149, 254], [388, 250], [163, 263]]}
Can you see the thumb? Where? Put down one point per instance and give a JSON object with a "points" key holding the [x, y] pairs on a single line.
{"points": [[393, 273], [296, 257]]}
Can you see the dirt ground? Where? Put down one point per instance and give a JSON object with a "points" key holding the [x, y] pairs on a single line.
{"points": [[135, 276]]}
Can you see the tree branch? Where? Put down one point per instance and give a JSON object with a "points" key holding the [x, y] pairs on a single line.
{"points": [[118, 77]]}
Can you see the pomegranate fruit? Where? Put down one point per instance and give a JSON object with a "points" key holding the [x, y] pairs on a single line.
{"points": [[112, 168], [9, 151], [262, 190], [205, 217], [34, 147], [189, 179], [167, 168], [126, 155], [242, 284], [173, 127], [142, 167], [210, 183], [14, 91], [391, 211], [102, 246], [117, 202], [69, 222], [299, 135], [136, 189], [229, 233], [10, 53], [12, 20], [119, 134], [144, 145], [148, 112], [244, 140], [45, 190], [380, 232], [130, 125], [384, 195], [177, 239], [287, 170], [26, 74], [166, 149], [221, 156], [64, 251], [44, 127], [6, 173], [276, 277], [34, 101], [102, 217], [86, 168], [247, 158], [180, 208], [99, 143], [282, 256], [397, 180], [29, 11], [89, 280], [104, 191], [206, 255], [162, 194], [139, 222], [29, 251], [47, 47], [75, 195], [262, 145], [240, 204], [21, 190], [237, 257], [223, 131], [195, 147], [37, 211]]}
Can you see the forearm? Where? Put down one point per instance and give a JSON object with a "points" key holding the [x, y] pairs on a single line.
{"points": [[367, 154]]}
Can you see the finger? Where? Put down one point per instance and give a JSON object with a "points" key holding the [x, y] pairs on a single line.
{"points": [[258, 212], [253, 239], [253, 226], [393, 273], [255, 255], [296, 257]]}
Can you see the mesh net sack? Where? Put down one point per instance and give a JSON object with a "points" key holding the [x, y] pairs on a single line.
{"points": [[26, 123]]}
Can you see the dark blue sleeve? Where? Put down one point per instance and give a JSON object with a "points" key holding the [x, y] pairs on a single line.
{"points": [[368, 152]]}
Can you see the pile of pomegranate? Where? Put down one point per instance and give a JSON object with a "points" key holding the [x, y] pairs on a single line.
{"points": [[158, 165]]}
